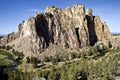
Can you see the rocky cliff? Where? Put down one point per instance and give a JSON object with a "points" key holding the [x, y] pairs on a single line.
{"points": [[71, 28]]}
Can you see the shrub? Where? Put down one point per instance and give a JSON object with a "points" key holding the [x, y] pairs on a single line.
{"points": [[73, 55], [57, 58], [8, 47], [18, 54], [2, 47], [46, 59]]}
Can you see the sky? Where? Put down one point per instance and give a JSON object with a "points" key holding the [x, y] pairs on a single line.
{"points": [[13, 12]]}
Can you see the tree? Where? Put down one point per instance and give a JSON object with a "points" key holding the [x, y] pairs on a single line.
{"points": [[57, 58], [28, 59], [73, 55], [18, 54], [109, 44], [54, 74], [46, 59]]}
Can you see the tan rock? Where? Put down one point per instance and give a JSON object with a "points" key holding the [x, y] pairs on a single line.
{"points": [[70, 28]]}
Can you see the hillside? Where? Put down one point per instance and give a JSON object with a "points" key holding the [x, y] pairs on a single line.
{"points": [[91, 63]]}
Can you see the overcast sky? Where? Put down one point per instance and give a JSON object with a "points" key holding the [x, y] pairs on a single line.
{"points": [[13, 12]]}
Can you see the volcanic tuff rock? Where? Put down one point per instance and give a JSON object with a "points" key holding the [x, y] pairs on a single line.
{"points": [[71, 28]]}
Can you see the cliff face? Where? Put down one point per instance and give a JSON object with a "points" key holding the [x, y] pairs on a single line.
{"points": [[71, 28]]}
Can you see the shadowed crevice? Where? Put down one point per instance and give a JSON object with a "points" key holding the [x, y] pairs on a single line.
{"points": [[91, 29], [3, 76], [78, 36], [42, 30], [45, 33]]}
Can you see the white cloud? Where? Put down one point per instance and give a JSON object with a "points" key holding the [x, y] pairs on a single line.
{"points": [[34, 10]]}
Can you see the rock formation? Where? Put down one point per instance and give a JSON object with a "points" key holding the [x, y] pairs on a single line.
{"points": [[71, 28]]}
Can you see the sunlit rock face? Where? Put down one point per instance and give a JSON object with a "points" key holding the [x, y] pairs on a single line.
{"points": [[72, 28]]}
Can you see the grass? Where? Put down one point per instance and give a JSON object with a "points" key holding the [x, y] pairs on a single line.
{"points": [[6, 57], [7, 53], [24, 66], [3, 52], [4, 61]]}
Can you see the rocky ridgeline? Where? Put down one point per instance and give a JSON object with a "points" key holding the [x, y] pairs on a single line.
{"points": [[71, 28]]}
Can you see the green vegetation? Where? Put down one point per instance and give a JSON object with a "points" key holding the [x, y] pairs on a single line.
{"points": [[52, 59], [33, 60], [8, 61], [92, 63], [4, 61]]}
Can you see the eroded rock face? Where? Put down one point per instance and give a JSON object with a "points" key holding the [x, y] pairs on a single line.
{"points": [[9, 38], [71, 28]]}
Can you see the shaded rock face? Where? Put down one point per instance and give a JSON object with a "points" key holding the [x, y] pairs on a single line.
{"points": [[71, 28], [91, 27]]}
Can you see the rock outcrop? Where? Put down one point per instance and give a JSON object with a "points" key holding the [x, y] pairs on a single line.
{"points": [[71, 28]]}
